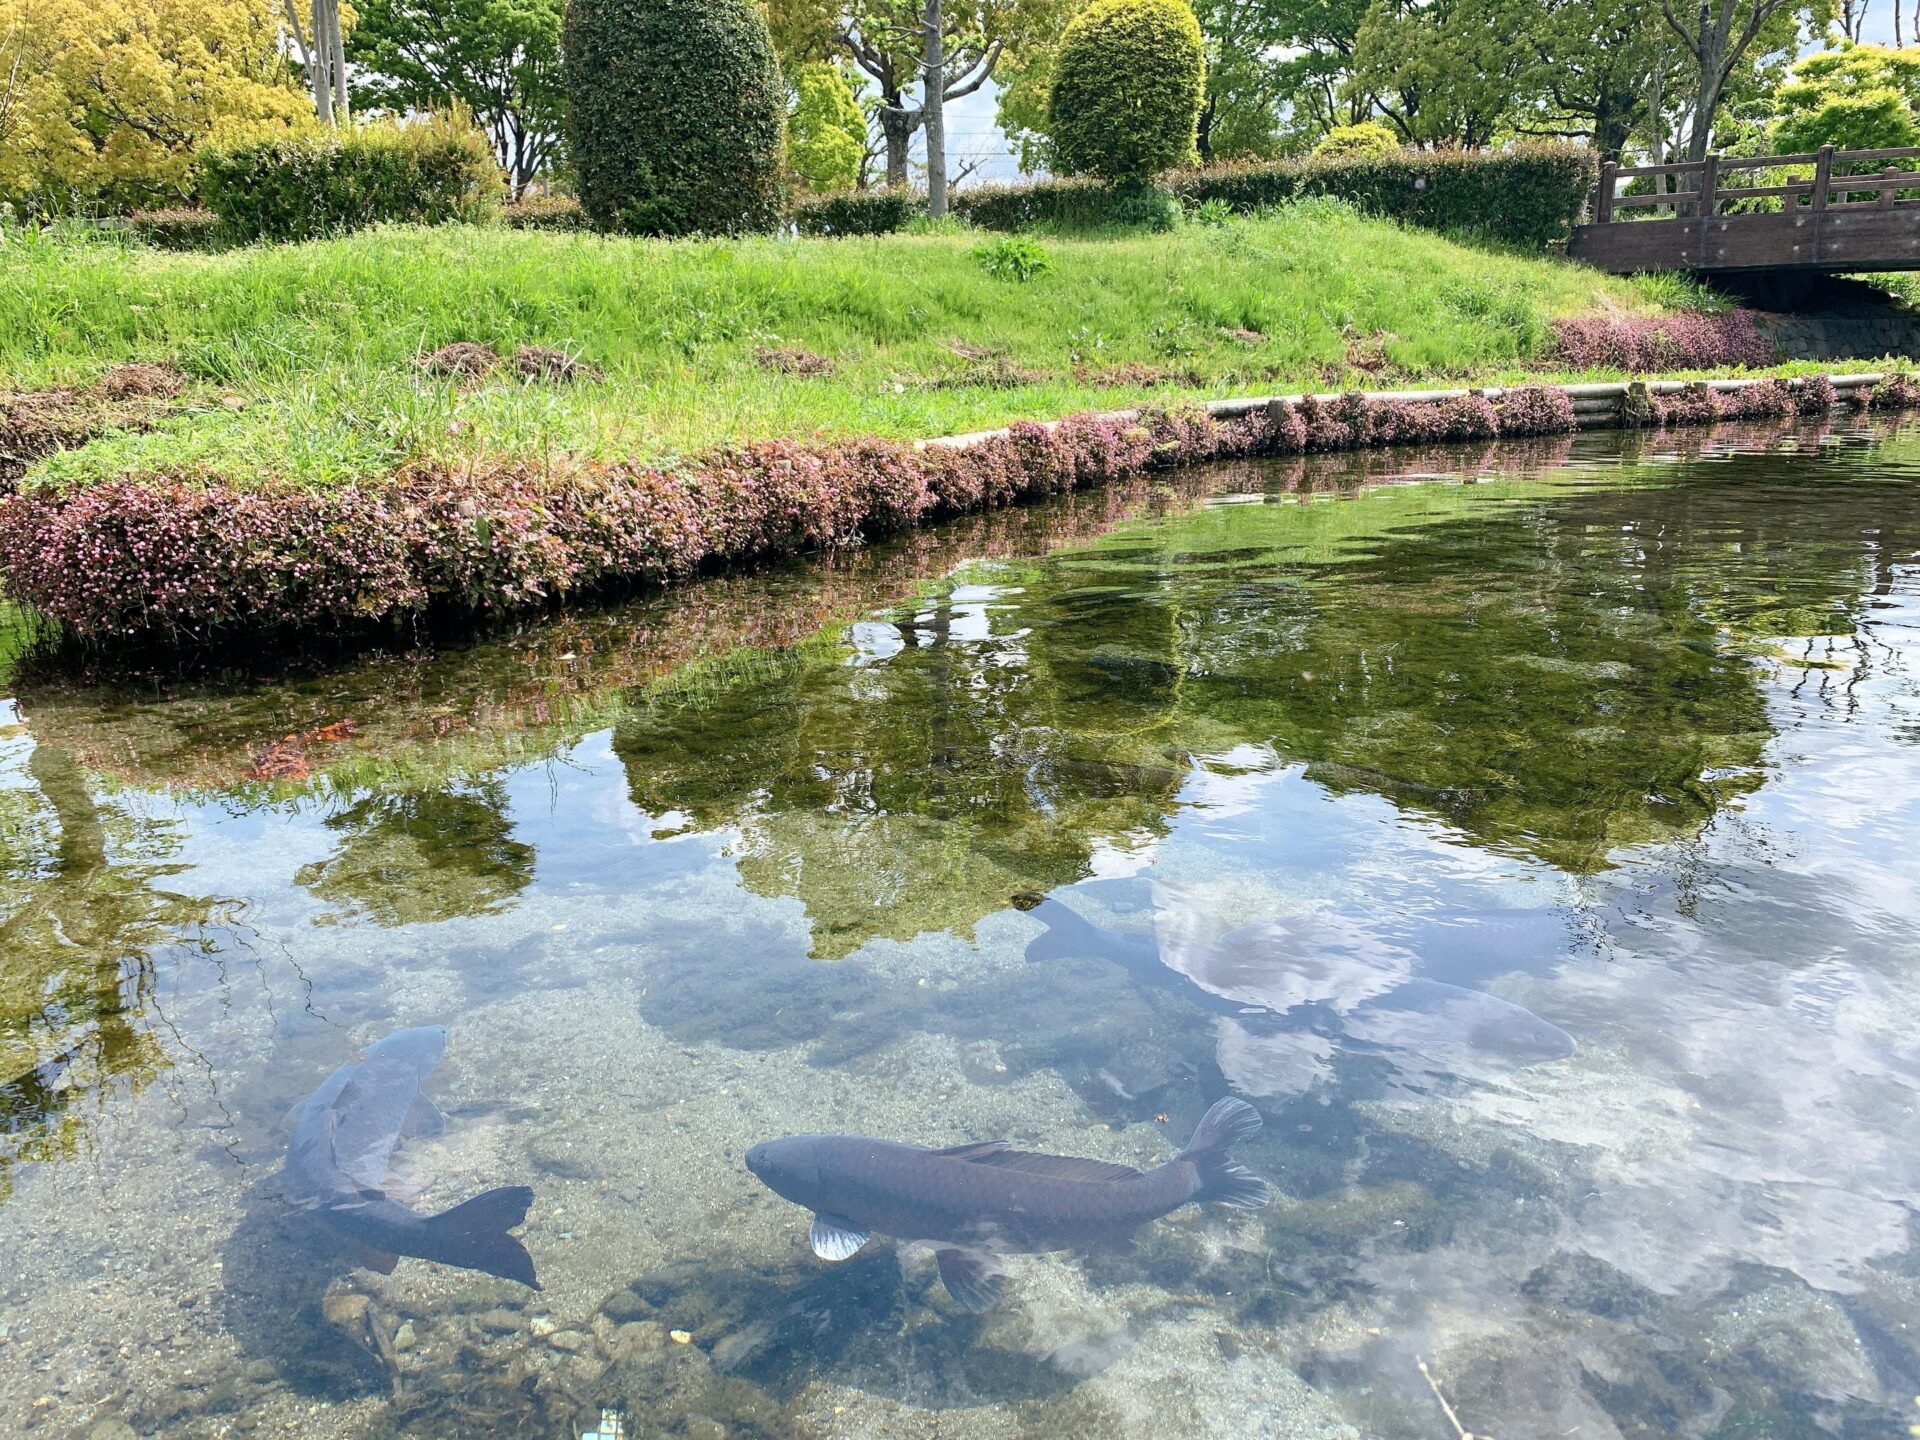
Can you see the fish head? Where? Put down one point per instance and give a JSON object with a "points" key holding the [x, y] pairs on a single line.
{"points": [[790, 1167]]}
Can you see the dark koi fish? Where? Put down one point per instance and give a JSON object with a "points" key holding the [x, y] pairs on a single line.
{"points": [[972, 1201], [344, 1134]]}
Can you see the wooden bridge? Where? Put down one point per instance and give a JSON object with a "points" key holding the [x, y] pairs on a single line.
{"points": [[1784, 213]]}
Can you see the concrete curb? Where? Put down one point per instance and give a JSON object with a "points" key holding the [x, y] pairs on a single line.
{"points": [[1596, 404]]}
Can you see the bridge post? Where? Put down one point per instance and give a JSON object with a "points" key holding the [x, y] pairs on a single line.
{"points": [[1603, 200], [1822, 176], [1709, 181]]}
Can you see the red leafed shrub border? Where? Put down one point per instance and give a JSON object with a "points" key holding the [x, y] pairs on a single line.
{"points": [[162, 561], [1641, 344]]}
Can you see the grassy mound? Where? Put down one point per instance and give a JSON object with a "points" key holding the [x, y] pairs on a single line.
{"points": [[314, 363]]}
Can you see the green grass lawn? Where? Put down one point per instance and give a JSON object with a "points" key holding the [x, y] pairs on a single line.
{"points": [[304, 359]]}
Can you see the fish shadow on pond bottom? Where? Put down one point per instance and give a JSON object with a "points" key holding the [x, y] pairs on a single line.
{"points": [[871, 1324], [276, 1268]]}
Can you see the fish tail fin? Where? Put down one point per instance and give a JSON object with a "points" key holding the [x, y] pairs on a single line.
{"points": [[1220, 1178], [1068, 935], [473, 1234]]}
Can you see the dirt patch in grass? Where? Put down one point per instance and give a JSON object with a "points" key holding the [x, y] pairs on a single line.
{"points": [[1368, 353], [141, 382], [793, 362], [1134, 375], [542, 362], [983, 369], [467, 361], [462, 360], [35, 423]]}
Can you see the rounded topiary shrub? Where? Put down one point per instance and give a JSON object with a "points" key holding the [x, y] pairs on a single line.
{"points": [[1349, 142], [674, 115], [1127, 88]]}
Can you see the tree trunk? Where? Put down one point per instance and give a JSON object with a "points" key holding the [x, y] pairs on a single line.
{"points": [[1709, 48], [897, 125], [326, 62], [320, 65], [933, 109], [340, 105], [1203, 133]]}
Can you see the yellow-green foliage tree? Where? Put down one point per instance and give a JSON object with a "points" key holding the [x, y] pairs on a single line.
{"points": [[826, 129], [1856, 97], [103, 101]]}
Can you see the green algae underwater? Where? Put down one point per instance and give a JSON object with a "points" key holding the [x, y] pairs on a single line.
{"points": [[1618, 730]]}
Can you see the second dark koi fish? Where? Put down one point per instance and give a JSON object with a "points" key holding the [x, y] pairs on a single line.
{"points": [[972, 1201]]}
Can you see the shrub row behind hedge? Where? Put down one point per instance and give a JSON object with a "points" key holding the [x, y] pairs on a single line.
{"points": [[544, 212], [1531, 195], [178, 227], [159, 561], [326, 182], [858, 212]]}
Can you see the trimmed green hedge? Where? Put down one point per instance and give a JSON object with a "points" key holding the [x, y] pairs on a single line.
{"points": [[327, 182], [858, 212], [1072, 204], [1531, 195], [675, 115]]}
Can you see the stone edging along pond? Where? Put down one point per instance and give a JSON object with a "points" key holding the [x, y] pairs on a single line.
{"points": [[166, 563]]}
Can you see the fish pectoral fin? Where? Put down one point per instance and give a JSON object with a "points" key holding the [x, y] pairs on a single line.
{"points": [[423, 1121], [835, 1237], [971, 1277], [368, 1258]]}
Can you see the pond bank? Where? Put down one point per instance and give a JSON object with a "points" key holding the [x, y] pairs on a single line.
{"points": [[166, 564]]}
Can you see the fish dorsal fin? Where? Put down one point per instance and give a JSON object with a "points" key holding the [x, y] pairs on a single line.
{"points": [[369, 1110], [424, 1120], [1057, 1167], [973, 1149]]}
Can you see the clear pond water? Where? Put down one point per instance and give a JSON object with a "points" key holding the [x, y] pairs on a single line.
{"points": [[1615, 737]]}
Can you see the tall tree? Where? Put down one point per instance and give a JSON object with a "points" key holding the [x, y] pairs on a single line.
{"points": [[1720, 37], [1596, 66], [323, 55], [1445, 72], [921, 54], [1246, 75], [1855, 97], [498, 58], [1313, 63], [826, 129]]}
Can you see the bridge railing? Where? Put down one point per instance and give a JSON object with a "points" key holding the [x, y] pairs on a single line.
{"points": [[1701, 188]]}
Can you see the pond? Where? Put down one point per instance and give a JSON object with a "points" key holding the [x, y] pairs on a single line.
{"points": [[1527, 835]]}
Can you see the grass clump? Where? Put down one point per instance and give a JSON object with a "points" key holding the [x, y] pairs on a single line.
{"points": [[304, 361]]}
